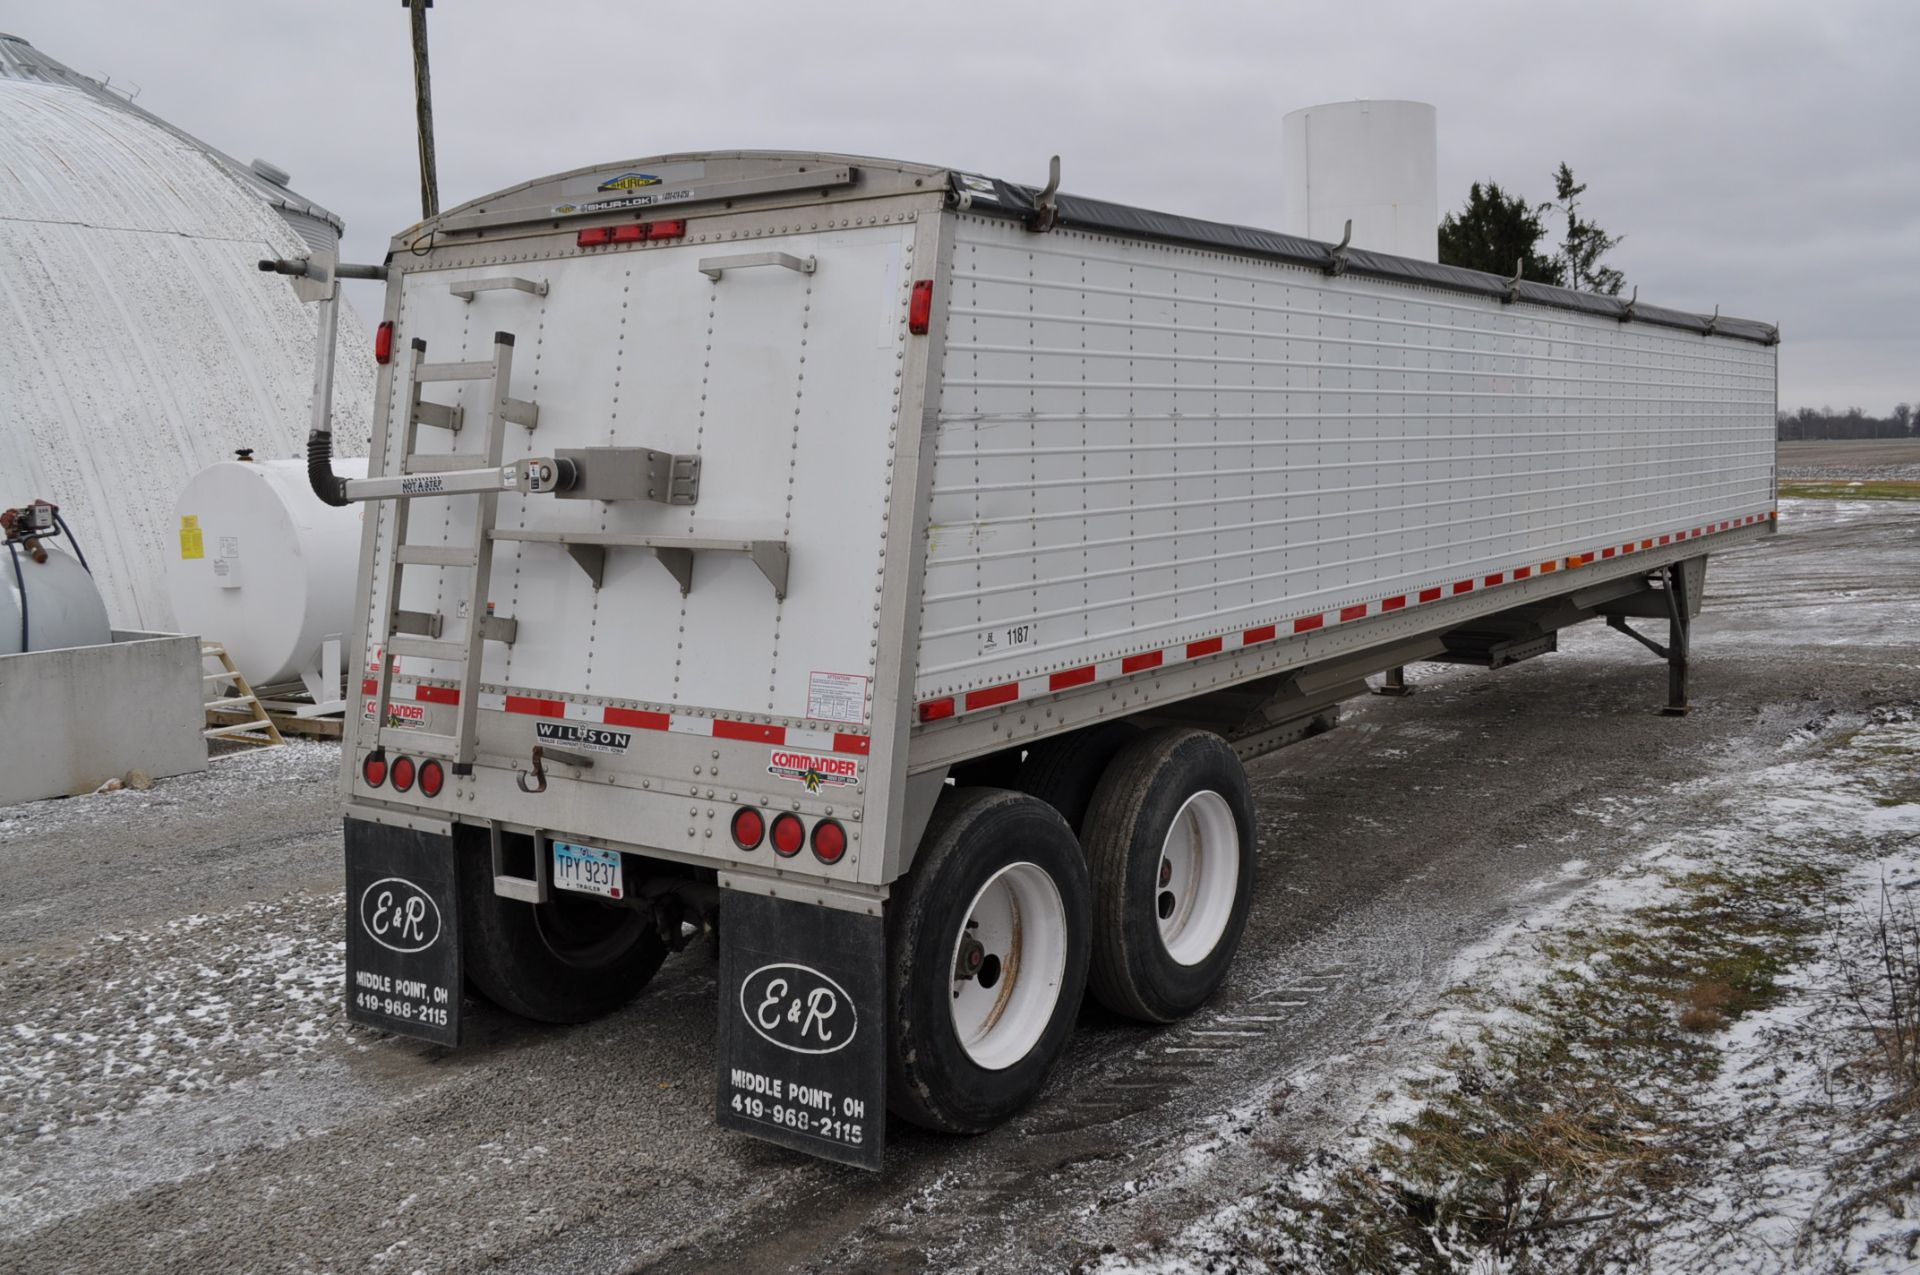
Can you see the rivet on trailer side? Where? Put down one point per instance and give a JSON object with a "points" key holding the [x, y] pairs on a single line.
{"points": [[892, 569]]}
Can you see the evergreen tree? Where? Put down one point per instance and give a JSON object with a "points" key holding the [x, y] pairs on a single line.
{"points": [[1493, 233], [1585, 243]]}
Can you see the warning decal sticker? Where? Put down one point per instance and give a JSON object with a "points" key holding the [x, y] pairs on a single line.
{"points": [[815, 770], [192, 543], [837, 697]]}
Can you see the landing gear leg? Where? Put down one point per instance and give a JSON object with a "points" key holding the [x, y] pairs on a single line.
{"points": [[1395, 683], [1679, 623], [1679, 626]]}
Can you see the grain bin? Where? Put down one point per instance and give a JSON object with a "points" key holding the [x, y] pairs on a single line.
{"points": [[139, 342]]}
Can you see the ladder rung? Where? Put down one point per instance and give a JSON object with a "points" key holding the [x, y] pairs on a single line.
{"points": [[219, 732], [221, 676], [422, 463], [453, 372], [520, 412], [436, 556], [232, 701], [419, 623], [438, 415], [426, 648], [413, 741]]}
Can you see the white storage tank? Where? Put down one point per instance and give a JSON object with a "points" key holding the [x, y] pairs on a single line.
{"points": [[264, 568], [1371, 162], [61, 603]]}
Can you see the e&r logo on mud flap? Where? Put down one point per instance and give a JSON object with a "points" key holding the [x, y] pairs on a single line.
{"points": [[798, 1008], [399, 915], [814, 770]]}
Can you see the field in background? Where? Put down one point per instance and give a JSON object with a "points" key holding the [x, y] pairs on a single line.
{"points": [[1876, 458]]}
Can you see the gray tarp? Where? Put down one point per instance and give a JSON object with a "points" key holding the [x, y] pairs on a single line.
{"points": [[993, 195]]}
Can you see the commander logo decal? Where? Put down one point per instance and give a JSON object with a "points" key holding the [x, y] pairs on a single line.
{"points": [[815, 770]]}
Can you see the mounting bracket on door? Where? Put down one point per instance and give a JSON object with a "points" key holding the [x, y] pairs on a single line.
{"points": [[631, 473]]}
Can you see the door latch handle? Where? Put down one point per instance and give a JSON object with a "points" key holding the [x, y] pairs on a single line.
{"points": [[541, 752]]}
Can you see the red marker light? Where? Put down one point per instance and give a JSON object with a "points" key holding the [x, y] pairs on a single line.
{"points": [[402, 770], [667, 229], [748, 828], [433, 777], [629, 234], [383, 343], [920, 310], [829, 841], [374, 770], [594, 237], [788, 836]]}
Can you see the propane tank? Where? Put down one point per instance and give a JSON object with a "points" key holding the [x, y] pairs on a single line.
{"points": [[56, 597], [265, 568]]}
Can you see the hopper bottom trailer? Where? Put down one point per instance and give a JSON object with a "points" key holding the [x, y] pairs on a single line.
{"points": [[890, 569]]}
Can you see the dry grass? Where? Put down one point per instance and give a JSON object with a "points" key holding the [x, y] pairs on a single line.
{"points": [[1882, 988], [1544, 1145]]}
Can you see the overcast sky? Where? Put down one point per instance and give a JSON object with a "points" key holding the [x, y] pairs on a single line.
{"points": [[1762, 157]]}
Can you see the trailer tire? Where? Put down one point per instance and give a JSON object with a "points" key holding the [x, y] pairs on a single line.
{"points": [[1065, 771], [1001, 871], [564, 961], [1169, 842]]}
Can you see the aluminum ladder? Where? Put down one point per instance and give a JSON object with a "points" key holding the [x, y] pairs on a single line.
{"points": [[418, 633]]}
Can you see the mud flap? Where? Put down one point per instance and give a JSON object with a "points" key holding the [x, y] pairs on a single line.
{"points": [[802, 1055], [403, 932]]}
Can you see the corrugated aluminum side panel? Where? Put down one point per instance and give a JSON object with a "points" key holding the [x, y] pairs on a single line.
{"points": [[1143, 445]]}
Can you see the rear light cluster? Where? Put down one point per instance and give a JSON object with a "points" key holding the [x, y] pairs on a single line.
{"points": [[404, 773], [789, 835], [601, 236]]}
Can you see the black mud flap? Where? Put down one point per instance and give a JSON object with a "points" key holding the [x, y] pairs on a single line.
{"points": [[403, 932], [803, 1027]]}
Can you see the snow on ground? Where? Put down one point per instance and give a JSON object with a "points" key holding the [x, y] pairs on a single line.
{"points": [[227, 782], [1794, 1172]]}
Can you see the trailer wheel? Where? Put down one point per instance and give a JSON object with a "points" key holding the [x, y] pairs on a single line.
{"points": [[1065, 771], [1169, 842], [986, 961], [564, 961]]}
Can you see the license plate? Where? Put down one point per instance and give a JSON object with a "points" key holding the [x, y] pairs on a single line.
{"points": [[586, 870]]}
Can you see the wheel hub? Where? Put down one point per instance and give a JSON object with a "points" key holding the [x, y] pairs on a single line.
{"points": [[1197, 878], [1009, 964]]}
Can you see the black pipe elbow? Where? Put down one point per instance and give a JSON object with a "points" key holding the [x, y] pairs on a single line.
{"points": [[328, 486]]}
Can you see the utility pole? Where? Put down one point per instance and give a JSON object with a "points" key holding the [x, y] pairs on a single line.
{"points": [[423, 109]]}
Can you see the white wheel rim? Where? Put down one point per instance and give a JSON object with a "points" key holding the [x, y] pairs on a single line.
{"points": [[1197, 877], [1004, 990]]}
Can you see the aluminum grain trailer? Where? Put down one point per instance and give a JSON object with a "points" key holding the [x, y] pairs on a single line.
{"points": [[890, 569]]}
